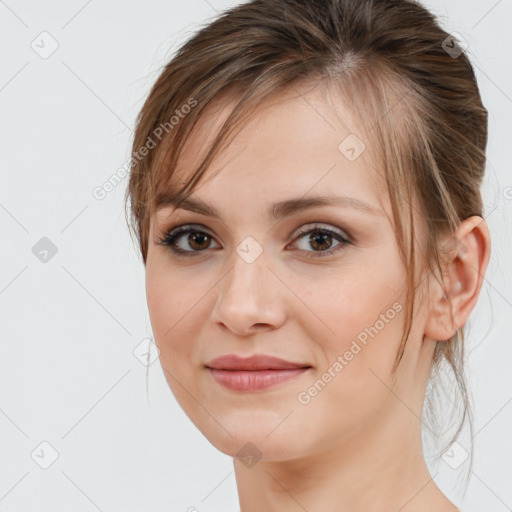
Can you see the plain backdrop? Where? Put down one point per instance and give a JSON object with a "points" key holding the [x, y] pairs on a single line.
{"points": [[78, 431]]}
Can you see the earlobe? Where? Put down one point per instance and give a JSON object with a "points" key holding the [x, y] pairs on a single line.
{"points": [[464, 258]]}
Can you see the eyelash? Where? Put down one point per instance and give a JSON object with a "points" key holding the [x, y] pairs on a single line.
{"points": [[172, 236]]}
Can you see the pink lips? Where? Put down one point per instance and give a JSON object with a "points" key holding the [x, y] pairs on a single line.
{"points": [[253, 373]]}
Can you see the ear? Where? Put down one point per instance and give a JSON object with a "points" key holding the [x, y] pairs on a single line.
{"points": [[464, 258]]}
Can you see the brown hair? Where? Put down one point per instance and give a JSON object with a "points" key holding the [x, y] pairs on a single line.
{"points": [[418, 102]]}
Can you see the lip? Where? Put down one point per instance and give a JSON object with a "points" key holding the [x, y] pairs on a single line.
{"points": [[253, 363], [253, 373]]}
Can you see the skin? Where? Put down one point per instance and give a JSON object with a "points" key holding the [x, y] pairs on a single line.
{"points": [[356, 446]]}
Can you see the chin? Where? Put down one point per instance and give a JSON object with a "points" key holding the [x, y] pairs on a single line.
{"points": [[252, 448], [250, 435]]}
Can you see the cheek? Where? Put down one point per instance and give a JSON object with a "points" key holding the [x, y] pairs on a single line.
{"points": [[356, 362], [362, 316], [174, 308], [357, 304], [171, 305]]}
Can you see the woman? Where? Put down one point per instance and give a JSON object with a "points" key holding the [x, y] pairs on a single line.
{"points": [[306, 198]]}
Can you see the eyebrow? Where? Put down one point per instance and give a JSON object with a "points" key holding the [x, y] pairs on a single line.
{"points": [[276, 211]]}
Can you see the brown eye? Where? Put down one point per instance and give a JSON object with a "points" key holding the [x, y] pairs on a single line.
{"points": [[321, 240], [196, 241]]}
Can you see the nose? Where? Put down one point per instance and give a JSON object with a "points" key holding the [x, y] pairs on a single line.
{"points": [[250, 298]]}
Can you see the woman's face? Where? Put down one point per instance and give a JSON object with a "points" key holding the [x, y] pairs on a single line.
{"points": [[247, 283]]}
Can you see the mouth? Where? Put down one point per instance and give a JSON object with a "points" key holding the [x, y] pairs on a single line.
{"points": [[253, 373]]}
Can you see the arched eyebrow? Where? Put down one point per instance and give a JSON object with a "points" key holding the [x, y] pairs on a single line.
{"points": [[277, 211]]}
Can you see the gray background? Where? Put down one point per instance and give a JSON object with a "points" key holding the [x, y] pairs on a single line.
{"points": [[69, 326]]}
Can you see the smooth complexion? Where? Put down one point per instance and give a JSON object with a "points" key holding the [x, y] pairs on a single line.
{"points": [[357, 445]]}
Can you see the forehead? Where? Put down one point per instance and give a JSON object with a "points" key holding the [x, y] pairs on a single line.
{"points": [[300, 141]]}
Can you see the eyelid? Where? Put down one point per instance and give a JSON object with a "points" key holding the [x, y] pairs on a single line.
{"points": [[320, 226]]}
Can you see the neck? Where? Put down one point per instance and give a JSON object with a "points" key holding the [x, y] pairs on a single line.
{"points": [[381, 468]]}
